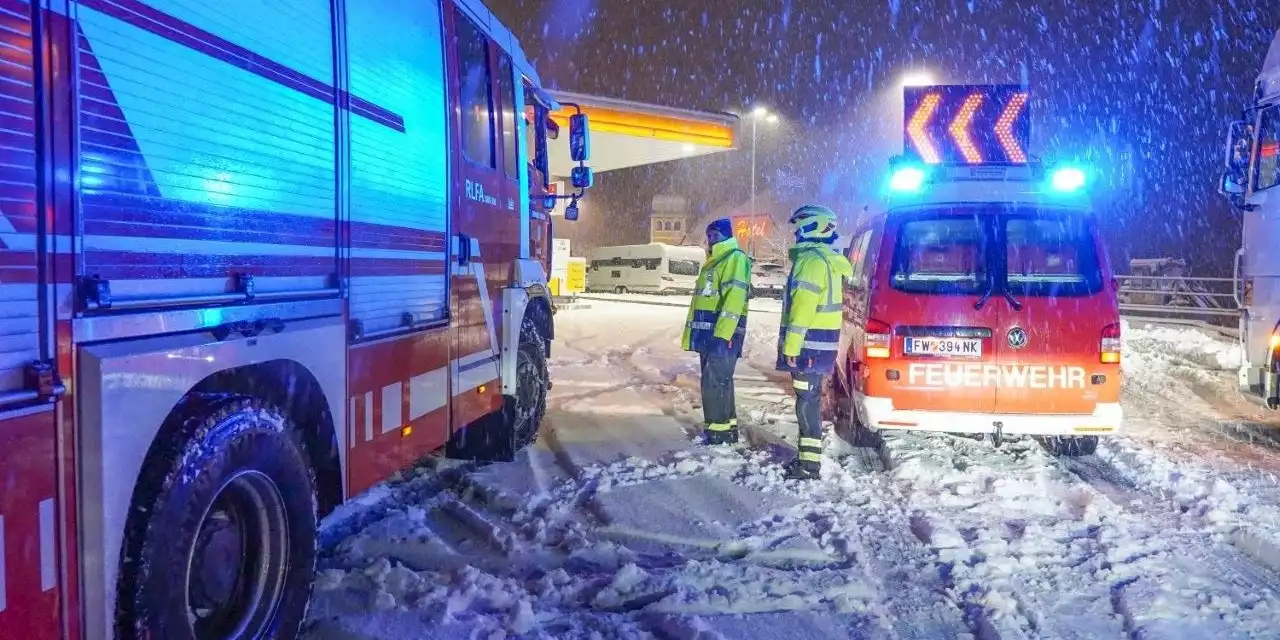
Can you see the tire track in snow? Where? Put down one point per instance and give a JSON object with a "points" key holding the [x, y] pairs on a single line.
{"points": [[1119, 562], [870, 535]]}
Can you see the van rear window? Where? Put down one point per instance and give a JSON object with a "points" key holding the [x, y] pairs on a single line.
{"points": [[941, 255], [1034, 253], [1050, 255]]}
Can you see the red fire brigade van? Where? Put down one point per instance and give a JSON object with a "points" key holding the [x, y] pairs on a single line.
{"points": [[255, 257], [981, 300]]}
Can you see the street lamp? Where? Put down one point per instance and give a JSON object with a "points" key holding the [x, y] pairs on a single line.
{"points": [[757, 114], [918, 79]]}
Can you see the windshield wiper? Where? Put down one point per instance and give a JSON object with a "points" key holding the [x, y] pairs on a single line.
{"points": [[1013, 302], [982, 302]]}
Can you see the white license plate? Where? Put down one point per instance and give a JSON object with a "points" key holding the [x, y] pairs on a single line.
{"points": [[948, 347]]}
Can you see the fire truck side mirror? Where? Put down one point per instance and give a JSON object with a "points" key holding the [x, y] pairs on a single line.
{"points": [[571, 211], [583, 177], [579, 138]]}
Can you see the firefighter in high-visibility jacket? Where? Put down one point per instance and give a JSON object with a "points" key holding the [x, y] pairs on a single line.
{"points": [[717, 326], [812, 313]]}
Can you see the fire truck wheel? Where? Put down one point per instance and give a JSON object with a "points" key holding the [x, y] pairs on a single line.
{"points": [[222, 537], [1072, 447], [530, 402]]}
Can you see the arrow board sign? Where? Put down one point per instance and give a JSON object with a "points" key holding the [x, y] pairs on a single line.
{"points": [[967, 124]]}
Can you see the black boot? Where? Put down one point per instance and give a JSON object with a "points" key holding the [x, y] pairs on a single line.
{"points": [[712, 438], [800, 470]]}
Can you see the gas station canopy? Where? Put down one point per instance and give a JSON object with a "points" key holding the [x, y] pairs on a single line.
{"points": [[631, 134]]}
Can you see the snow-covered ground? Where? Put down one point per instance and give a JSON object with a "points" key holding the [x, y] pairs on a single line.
{"points": [[617, 525]]}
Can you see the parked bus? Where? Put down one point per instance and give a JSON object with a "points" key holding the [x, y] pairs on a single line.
{"points": [[1252, 183], [644, 268], [255, 258]]}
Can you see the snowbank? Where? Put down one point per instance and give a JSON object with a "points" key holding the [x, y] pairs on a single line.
{"points": [[1146, 342]]}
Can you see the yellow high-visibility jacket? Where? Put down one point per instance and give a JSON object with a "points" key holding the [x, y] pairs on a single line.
{"points": [[720, 295], [813, 308]]}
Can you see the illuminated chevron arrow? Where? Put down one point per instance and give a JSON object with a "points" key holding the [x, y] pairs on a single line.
{"points": [[915, 129], [1004, 128], [960, 128]]}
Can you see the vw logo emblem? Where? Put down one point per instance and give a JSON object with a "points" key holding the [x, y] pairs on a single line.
{"points": [[1017, 337]]}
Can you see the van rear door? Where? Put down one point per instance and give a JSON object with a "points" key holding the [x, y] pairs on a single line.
{"points": [[1053, 317], [931, 294]]}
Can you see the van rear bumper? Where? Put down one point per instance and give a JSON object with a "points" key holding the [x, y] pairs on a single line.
{"points": [[881, 416]]}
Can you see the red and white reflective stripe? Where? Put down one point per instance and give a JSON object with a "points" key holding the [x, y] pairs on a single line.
{"points": [[48, 566], [368, 416], [427, 392], [3, 602], [392, 401]]}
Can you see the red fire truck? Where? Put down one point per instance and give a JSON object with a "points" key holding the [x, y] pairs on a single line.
{"points": [[255, 257]]}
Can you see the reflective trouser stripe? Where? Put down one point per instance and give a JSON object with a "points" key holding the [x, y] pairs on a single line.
{"points": [[809, 456], [733, 422], [801, 385], [820, 346], [720, 426], [812, 443]]}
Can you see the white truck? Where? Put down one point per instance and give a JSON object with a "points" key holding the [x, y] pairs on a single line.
{"points": [[1251, 182]]}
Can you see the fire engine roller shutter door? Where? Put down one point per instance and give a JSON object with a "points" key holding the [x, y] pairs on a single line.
{"points": [[19, 310], [399, 176], [207, 145]]}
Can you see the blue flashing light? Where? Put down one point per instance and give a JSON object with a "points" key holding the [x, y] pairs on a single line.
{"points": [[909, 179], [1067, 179]]}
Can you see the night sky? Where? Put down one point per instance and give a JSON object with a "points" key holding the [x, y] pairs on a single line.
{"points": [[1141, 89]]}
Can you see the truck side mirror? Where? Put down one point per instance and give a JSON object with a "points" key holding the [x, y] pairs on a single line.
{"points": [[1228, 185], [1235, 135], [583, 177], [571, 211], [579, 138]]}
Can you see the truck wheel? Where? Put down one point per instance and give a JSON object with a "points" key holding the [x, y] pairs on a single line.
{"points": [[620, 290], [221, 542], [1071, 446], [529, 404]]}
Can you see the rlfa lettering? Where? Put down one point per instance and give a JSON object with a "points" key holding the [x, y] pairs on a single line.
{"points": [[992, 375], [475, 191]]}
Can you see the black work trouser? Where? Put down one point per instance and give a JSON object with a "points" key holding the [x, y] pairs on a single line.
{"points": [[808, 387], [719, 406]]}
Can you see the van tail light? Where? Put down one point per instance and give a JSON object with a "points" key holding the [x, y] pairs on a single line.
{"points": [[878, 340], [1110, 346], [1275, 342]]}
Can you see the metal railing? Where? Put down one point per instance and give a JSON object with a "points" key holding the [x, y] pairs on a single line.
{"points": [[1209, 303]]}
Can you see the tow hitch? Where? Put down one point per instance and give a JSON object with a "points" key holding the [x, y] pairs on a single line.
{"points": [[997, 436]]}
